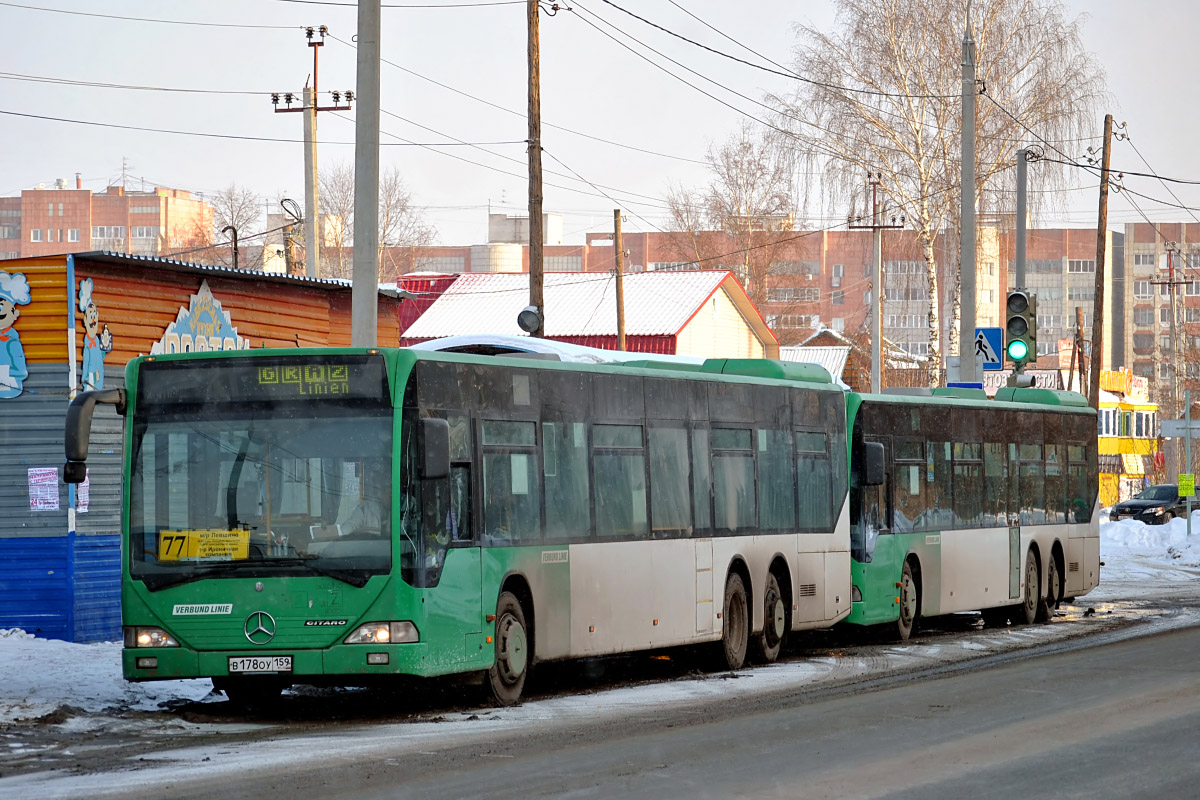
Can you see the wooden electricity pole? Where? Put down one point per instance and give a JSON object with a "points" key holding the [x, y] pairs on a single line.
{"points": [[617, 248], [535, 172], [1097, 358]]}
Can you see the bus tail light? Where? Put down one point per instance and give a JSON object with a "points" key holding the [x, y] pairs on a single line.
{"points": [[145, 636], [384, 633]]}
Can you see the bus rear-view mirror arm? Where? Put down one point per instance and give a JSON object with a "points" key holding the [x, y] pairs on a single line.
{"points": [[79, 429]]}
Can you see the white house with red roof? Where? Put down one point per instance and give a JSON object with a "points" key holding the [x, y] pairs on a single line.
{"points": [[702, 313]]}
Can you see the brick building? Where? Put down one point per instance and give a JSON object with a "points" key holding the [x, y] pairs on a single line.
{"points": [[56, 220]]}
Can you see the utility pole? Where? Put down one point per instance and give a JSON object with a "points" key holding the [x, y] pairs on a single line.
{"points": [[620, 279], [309, 107], [1176, 356], [1077, 353], [535, 170], [364, 298], [967, 369], [877, 282], [1097, 360]]}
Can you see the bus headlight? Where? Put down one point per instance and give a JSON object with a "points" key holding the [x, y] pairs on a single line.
{"points": [[144, 636], [855, 594], [384, 633]]}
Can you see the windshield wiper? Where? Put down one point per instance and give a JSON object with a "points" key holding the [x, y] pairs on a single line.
{"points": [[249, 569]]}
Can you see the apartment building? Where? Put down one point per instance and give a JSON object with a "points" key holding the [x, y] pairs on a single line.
{"points": [[55, 220]]}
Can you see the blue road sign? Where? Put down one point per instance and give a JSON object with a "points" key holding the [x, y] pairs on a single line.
{"points": [[989, 348]]}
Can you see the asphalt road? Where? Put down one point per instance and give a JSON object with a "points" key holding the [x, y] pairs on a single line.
{"points": [[1114, 721], [1078, 708]]}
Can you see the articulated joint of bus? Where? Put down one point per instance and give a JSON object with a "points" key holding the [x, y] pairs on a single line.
{"points": [[79, 429]]}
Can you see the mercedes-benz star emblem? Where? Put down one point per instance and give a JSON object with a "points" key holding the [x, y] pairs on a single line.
{"points": [[259, 627]]}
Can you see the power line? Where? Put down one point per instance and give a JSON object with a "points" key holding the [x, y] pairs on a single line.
{"points": [[235, 136], [787, 74], [149, 19], [521, 114]]}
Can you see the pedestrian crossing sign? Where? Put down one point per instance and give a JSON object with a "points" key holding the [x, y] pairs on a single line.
{"points": [[989, 348]]}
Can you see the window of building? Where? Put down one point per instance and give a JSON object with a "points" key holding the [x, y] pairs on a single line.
{"points": [[915, 348], [143, 209], [60, 209], [794, 294], [1192, 315], [35, 235], [1049, 320], [797, 268], [73, 234], [839, 324], [903, 267], [672, 266], [1143, 316], [1143, 259], [1081, 293], [145, 231], [1142, 290], [1143, 341], [108, 231], [839, 297], [1037, 266], [1081, 265], [1163, 341], [560, 263], [1144, 369], [10, 232], [1164, 370], [1164, 315]]}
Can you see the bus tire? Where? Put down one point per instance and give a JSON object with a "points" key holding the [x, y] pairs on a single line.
{"points": [[1049, 600], [506, 677], [1028, 610], [735, 624], [910, 603], [768, 643]]}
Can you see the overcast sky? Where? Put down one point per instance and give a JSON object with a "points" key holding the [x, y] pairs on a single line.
{"points": [[590, 85]]}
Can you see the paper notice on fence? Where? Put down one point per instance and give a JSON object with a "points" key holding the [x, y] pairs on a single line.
{"points": [[43, 489], [83, 494]]}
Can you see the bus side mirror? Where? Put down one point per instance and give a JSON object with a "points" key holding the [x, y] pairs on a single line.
{"points": [[79, 428], [871, 467], [434, 447]]}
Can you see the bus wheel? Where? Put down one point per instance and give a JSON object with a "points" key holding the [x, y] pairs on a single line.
{"points": [[768, 643], [506, 678], [1029, 607], [1049, 601], [909, 603], [735, 623]]}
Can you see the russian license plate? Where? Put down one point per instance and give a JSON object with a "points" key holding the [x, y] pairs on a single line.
{"points": [[244, 664]]}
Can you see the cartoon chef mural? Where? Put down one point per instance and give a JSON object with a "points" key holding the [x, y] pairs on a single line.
{"points": [[14, 291], [96, 342]]}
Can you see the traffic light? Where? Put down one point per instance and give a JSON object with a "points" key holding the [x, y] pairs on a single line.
{"points": [[1020, 330]]}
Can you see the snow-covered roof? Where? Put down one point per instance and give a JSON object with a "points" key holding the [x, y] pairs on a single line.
{"points": [[495, 344], [577, 304], [831, 357]]}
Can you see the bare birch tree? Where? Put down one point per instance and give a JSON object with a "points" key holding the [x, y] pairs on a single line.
{"points": [[882, 94], [748, 201], [402, 227]]}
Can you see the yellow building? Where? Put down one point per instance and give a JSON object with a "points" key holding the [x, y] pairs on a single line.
{"points": [[1128, 441]]}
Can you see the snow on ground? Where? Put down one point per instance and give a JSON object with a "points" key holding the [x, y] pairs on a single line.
{"points": [[40, 675]]}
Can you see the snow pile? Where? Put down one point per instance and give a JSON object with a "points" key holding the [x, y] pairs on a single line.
{"points": [[40, 675]]}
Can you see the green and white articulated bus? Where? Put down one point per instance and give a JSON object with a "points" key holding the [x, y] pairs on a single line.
{"points": [[961, 503], [342, 515]]}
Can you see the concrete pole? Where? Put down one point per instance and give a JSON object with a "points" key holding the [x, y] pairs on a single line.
{"points": [[877, 297], [1022, 179], [1187, 442], [312, 247], [365, 294], [968, 370]]}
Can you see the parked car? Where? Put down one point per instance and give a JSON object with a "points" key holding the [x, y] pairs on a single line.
{"points": [[1157, 505]]}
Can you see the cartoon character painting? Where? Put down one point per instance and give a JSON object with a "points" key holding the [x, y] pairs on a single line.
{"points": [[14, 291], [96, 342]]}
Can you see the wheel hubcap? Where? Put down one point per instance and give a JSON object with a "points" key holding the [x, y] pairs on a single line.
{"points": [[513, 656], [778, 617], [908, 600]]}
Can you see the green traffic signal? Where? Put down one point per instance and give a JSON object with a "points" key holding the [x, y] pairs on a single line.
{"points": [[1021, 327]]}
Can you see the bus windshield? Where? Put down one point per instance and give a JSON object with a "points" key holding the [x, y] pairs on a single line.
{"points": [[247, 494]]}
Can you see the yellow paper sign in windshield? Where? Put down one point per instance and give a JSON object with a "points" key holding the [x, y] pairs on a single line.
{"points": [[216, 545]]}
